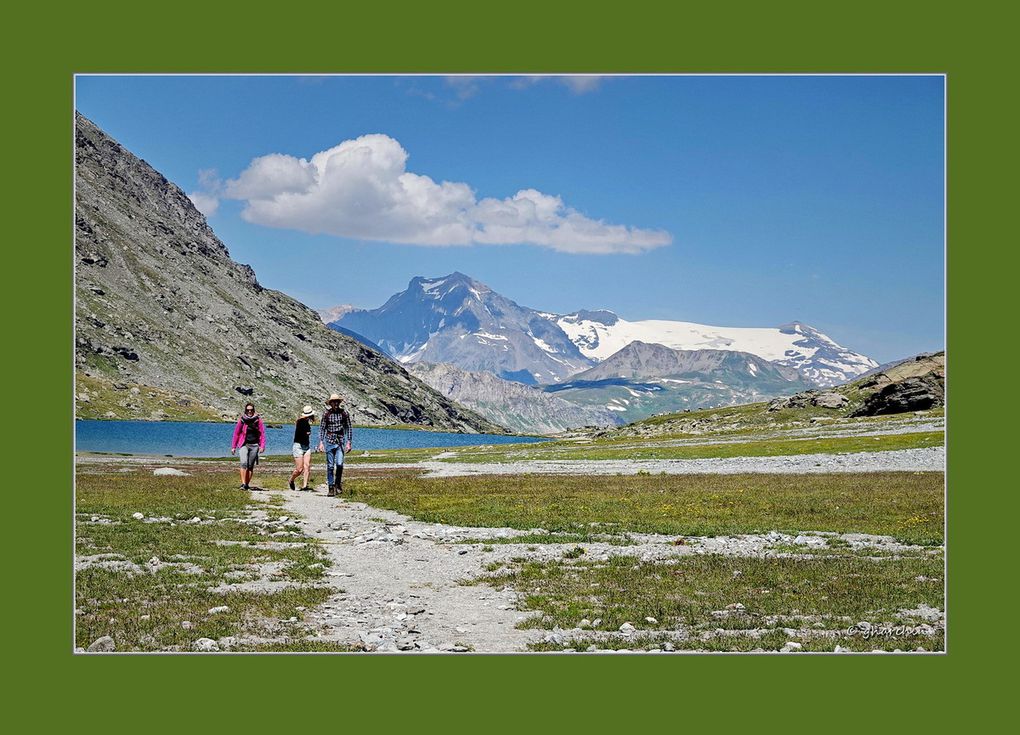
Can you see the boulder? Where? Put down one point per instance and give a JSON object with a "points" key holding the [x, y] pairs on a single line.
{"points": [[169, 471], [102, 645], [829, 399], [206, 645], [911, 394]]}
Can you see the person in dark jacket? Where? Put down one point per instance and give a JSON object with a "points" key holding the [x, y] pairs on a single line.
{"points": [[302, 447], [335, 437], [249, 440]]}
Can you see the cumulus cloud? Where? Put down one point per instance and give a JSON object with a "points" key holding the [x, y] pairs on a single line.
{"points": [[205, 203], [362, 189]]}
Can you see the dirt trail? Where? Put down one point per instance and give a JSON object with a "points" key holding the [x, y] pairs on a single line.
{"points": [[402, 589], [398, 580]]}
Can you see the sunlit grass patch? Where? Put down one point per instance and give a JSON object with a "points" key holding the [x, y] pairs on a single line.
{"points": [[906, 505], [658, 448]]}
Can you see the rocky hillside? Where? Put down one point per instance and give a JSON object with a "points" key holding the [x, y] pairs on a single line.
{"points": [[168, 326], [516, 406]]}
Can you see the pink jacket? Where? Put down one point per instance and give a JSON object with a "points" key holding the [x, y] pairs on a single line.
{"points": [[239, 435]]}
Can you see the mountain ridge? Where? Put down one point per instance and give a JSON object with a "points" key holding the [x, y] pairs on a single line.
{"points": [[162, 311], [458, 320]]}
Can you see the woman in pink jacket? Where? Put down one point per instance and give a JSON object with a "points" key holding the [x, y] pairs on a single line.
{"points": [[250, 439]]}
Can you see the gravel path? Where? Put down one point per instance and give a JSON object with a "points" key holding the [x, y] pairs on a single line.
{"points": [[397, 580], [903, 460], [401, 587]]}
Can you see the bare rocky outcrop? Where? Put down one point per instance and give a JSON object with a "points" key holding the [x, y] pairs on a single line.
{"points": [[160, 304], [516, 406]]}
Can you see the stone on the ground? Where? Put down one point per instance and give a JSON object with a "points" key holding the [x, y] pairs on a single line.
{"points": [[206, 644], [104, 644], [170, 471], [627, 628], [219, 609], [830, 399], [138, 516]]}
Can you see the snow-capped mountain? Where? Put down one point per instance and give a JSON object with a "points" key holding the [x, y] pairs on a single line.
{"points": [[599, 334], [460, 321], [645, 379], [457, 320]]}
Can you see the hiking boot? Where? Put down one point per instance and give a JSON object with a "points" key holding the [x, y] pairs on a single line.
{"points": [[332, 492], [292, 485]]}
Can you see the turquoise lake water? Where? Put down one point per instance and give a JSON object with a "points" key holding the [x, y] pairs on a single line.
{"points": [[199, 439]]}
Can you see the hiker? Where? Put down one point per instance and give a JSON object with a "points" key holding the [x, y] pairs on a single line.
{"points": [[302, 447], [335, 435], [250, 439]]}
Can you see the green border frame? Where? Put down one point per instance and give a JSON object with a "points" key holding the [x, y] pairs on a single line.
{"points": [[488, 692]]}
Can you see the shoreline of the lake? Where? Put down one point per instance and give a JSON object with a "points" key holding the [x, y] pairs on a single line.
{"points": [[280, 425], [213, 438]]}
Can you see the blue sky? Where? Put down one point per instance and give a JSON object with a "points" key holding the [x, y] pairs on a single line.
{"points": [[733, 201]]}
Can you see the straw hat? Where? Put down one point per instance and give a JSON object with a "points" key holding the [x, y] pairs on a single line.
{"points": [[334, 397], [307, 412]]}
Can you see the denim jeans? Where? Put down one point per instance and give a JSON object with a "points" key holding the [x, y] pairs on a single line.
{"points": [[334, 458]]}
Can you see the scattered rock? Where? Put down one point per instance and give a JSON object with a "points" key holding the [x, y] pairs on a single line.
{"points": [[627, 628], [924, 612], [138, 516], [556, 637], [104, 644], [169, 471], [219, 609], [205, 644]]}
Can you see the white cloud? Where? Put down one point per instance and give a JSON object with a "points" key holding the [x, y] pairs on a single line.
{"points": [[580, 84], [576, 83], [207, 204], [465, 86], [362, 189]]}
